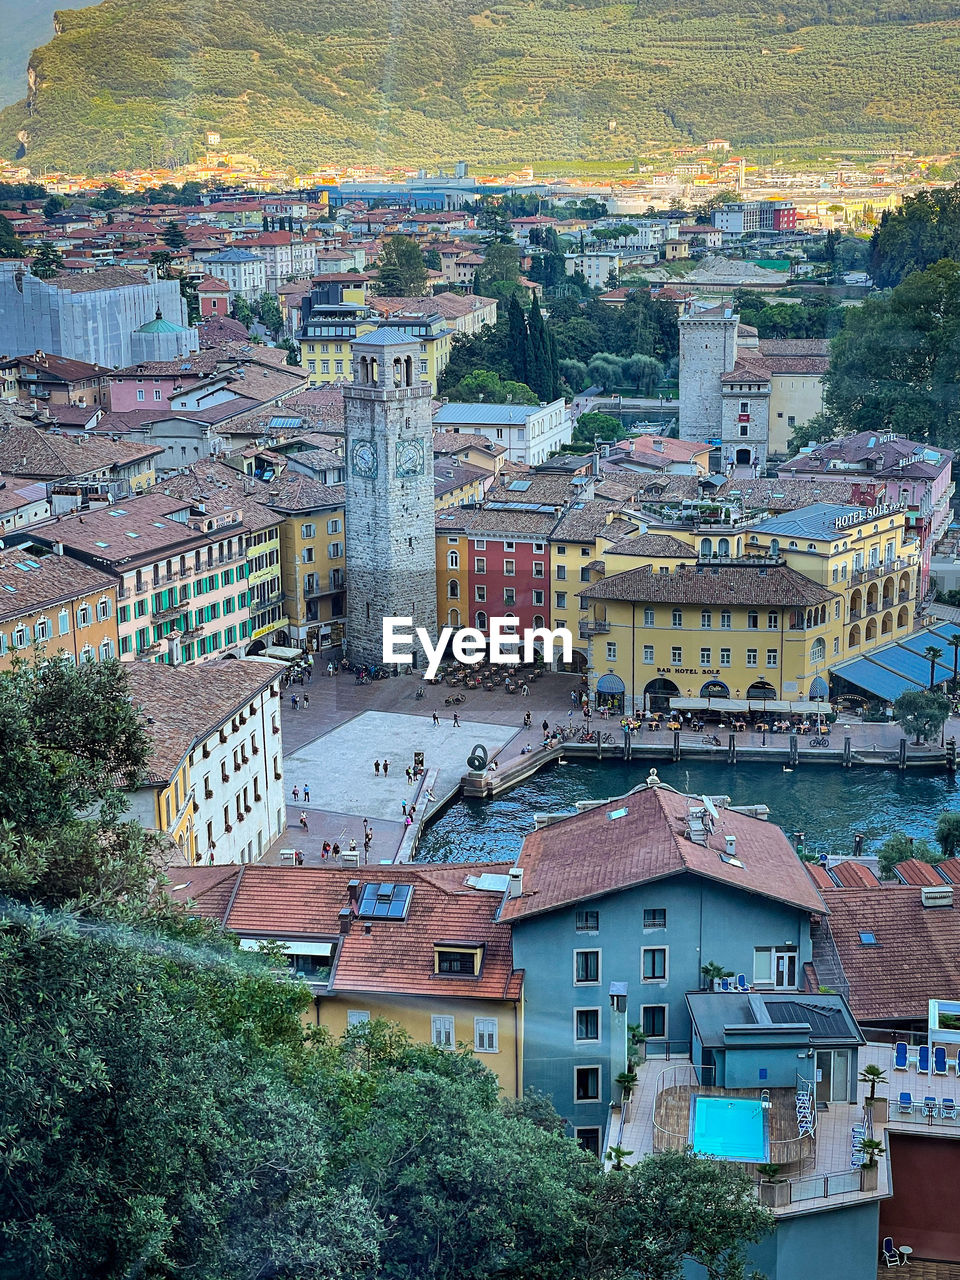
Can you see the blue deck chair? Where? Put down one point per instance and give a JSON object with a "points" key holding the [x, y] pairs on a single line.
{"points": [[742, 984], [923, 1060], [930, 1107], [939, 1061], [905, 1104], [900, 1056], [948, 1109], [890, 1255], [725, 985]]}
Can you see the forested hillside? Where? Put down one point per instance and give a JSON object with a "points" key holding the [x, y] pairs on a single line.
{"points": [[135, 81]]}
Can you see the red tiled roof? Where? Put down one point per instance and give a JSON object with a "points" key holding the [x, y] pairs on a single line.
{"points": [[819, 875], [395, 955], [590, 854], [854, 875], [917, 953], [949, 868], [913, 871]]}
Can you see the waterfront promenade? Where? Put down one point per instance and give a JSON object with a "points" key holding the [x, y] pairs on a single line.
{"points": [[331, 744]]}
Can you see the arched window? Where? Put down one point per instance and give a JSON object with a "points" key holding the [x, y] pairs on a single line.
{"points": [[84, 617], [538, 620], [453, 559], [853, 641], [453, 618], [42, 630], [706, 546], [723, 547], [773, 620], [453, 589], [481, 620], [21, 637], [774, 546], [818, 650]]}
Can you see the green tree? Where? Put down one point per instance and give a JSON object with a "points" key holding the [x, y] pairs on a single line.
{"points": [[401, 270], [501, 264], [269, 314], [901, 848], [933, 656], [482, 385], [173, 235], [541, 363], [47, 261], [188, 292], [10, 246], [161, 259], [921, 713], [54, 205], [593, 426], [518, 337], [947, 833], [432, 260], [494, 219], [241, 310]]}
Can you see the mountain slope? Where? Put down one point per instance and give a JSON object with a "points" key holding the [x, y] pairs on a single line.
{"points": [[134, 81]]}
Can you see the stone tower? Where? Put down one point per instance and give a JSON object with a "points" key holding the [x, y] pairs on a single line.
{"points": [[390, 535], [708, 349]]}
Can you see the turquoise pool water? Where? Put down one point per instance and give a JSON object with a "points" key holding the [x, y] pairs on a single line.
{"points": [[729, 1128]]}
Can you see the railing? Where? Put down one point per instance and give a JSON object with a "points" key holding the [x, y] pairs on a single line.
{"points": [[596, 627], [171, 611], [816, 1186], [879, 570]]}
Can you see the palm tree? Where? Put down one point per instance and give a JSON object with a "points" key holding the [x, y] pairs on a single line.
{"points": [[955, 645], [932, 654]]}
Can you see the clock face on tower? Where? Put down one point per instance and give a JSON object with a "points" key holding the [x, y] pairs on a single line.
{"points": [[364, 459], [409, 458]]}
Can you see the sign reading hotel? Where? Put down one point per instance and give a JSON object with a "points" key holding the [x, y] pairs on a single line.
{"points": [[868, 513]]}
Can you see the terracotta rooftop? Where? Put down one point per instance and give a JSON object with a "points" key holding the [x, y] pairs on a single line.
{"points": [[454, 442], [913, 871], [739, 584], [29, 582], [395, 955], [40, 454], [588, 520], [591, 854], [294, 492], [916, 955], [59, 367], [213, 691], [853, 875], [659, 546], [90, 281]]}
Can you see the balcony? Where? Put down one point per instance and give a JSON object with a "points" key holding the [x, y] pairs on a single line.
{"points": [[879, 570], [171, 611], [594, 627]]}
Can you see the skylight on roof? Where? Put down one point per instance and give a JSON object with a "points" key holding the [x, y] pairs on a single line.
{"points": [[384, 901], [158, 524], [520, 486], [868, 939], [117, 511], [25, 567], [131, 534], [617, 813], [7, 587], [101, 544]]}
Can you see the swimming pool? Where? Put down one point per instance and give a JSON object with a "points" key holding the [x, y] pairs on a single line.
{"points": [[729, 1128]]}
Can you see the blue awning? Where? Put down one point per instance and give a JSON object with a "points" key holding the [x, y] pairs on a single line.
{"points": [[872, 678], [610, 684]]}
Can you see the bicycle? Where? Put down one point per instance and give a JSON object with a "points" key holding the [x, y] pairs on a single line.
{"points": [[713, 741], [819, 742]]}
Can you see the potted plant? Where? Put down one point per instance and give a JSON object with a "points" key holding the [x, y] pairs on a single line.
{"points": [[874, 1075], [616, 1156], [712, 972], [774, 1190], [872, 1148], [626, 1080], [638, 1041]]}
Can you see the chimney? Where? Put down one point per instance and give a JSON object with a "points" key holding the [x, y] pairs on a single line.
{"points": [[345, 916], [731, 846], [58, 548], [515, 885], [353, 892]]}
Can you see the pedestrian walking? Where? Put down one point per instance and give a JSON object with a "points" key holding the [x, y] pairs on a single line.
{"points": [[331, 670], [376, 767], [325, 851], [524, 691], [298, 857], [367, 841], [570, 715], [527, 720], [306, 701], [413, 811], [436, 718], [403, 806], [303, 820], [306, 793], [296, 794], [386, 767], [545, 727], [293, 701], [409, 773], [574, 697], [335, 851], [456, 721]]}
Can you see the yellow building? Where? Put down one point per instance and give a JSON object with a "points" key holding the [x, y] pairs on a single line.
{"points": [[865, 555], [265, 596], [470, 449], [423, 949], [453, 571], [55, 606], [312, 559], [753, 629], [456, 484], [336, 317]]}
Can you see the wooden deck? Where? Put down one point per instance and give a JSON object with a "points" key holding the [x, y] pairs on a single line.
{"points": [[922, 1269]]}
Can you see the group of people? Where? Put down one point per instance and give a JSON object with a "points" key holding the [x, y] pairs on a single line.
{"points": [[297, 698]]}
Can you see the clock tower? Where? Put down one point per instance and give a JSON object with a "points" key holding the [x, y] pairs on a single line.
{"points": [[390, 534]]}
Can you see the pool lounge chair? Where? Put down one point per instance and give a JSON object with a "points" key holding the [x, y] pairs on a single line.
{"points": [[890, 1255], [726, 985], [948, 1109], [923, 1060], [905, 1104], [900, 1056], [743, 985], [939, 1061], [930, 1107]]}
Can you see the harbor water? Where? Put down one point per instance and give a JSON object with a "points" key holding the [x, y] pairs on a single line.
{"points": [[828, 804]]}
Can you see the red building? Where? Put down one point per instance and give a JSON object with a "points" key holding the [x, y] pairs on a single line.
{"points": [[214, 296], [784, 216]]}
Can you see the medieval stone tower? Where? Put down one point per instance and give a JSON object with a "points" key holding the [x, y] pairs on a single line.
{"points": [[708, 349], [390, 534]]}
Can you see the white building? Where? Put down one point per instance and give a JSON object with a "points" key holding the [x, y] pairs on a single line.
{"points": [[244, 272], [528, 432], [595, 266], [215, 779]]}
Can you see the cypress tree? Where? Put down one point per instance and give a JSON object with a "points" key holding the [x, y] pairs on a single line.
{"points": [[539, 378], [518, 338]]}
